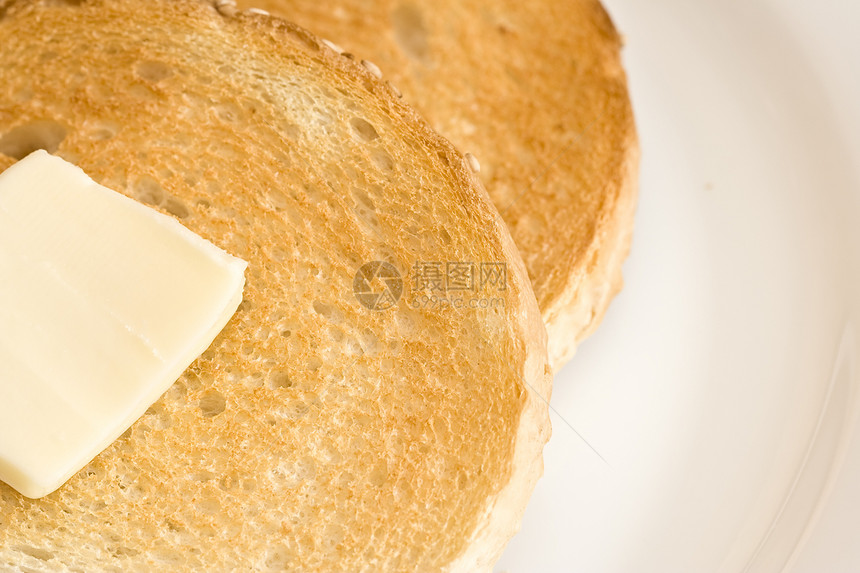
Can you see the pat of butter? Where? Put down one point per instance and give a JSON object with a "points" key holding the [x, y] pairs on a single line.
{"points": [[104, 302]]}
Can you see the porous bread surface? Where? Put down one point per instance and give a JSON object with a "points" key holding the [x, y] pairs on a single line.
{"points": [[314, 434], [535, 89]]}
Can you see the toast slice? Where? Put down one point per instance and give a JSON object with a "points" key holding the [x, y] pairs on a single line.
{"points": [[344, 420], [536, 91]]}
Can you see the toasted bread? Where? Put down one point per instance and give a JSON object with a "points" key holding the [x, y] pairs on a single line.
{"points": [[316, 433], [536, 91]]}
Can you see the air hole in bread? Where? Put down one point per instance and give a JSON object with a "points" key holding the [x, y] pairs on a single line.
{"points": [[69, 156], [176, 207], [212, 403], [208, 506], [409, 31], [291, 131], [369, 342], [277, 199], [363, 130], [23, 140], [228, 112], [178, 391], [22, 95], [157, 417], [123, 551], [368, 217], [379, 474], [103, 131], [327, 311], [167, 556], [202, 476], [224, 151], [362, 200], [336, 334], [403, 492], [41, 554], [153, 71], [278, 559], [313, 194], [149, 191], [321, 117], [383, 160], [141, 91], [280, 380], [405, 323]]}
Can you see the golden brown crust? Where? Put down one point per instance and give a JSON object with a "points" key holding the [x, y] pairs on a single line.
{"points": [[537, 92], [314, 434], [5, 162]]}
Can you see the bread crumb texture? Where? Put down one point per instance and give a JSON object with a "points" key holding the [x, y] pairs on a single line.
{"points": [[314, 434], [536, 91]]}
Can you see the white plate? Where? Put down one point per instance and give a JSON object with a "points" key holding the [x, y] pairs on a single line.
{"points": [[721, 388]]}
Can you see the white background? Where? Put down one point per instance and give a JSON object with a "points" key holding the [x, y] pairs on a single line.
{"points": [[721, 388]]}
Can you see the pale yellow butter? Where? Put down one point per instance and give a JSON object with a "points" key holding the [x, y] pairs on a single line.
{"points": [[104, 302]]}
